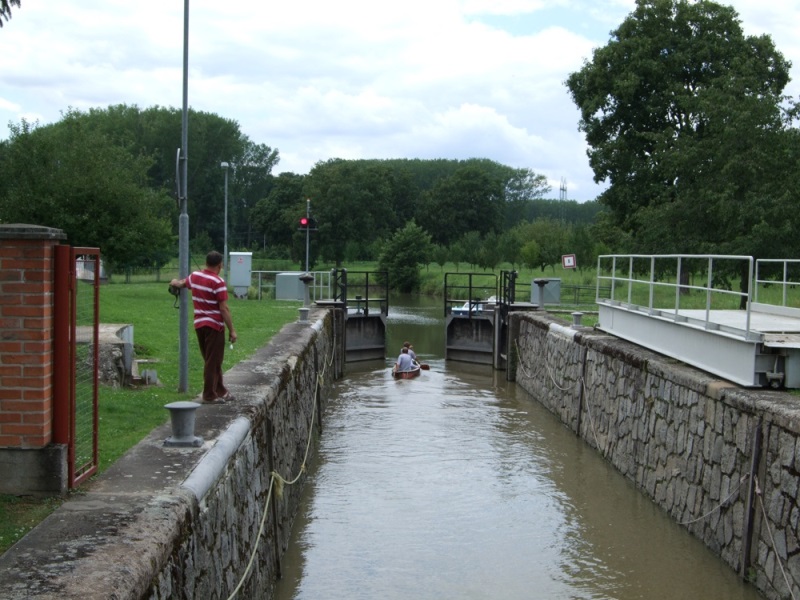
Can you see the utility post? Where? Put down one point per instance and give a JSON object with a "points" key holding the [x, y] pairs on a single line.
{"points": [[183, 220], [308, 228], [225, 265]]}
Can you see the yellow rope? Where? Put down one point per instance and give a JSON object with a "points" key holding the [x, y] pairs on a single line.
{"points": [[581, 381], [279, 482], [742, 479], [771, 539]]}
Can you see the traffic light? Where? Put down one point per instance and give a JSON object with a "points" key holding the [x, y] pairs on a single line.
{"points": [[307, 224]]}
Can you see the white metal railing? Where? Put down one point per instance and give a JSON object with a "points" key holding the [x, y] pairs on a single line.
{"points": [[784, 281], [318, 289], [625, 271]]}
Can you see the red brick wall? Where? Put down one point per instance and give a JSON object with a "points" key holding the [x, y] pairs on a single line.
{"points": [[26, 342]]}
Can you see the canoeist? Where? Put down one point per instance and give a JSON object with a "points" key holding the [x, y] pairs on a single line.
{"points": [[404, 361], [410, 350]]}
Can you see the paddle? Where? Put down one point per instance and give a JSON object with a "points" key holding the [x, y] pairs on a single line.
{"points": [[425, 366]]}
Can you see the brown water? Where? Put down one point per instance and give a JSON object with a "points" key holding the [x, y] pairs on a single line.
{"points": [[459, 485]]}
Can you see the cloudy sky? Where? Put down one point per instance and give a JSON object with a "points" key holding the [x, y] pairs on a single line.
{"points": [[320, 79]]}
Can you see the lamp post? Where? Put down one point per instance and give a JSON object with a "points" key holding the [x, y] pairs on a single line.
{"points": [[225, 166], [183, 219]]}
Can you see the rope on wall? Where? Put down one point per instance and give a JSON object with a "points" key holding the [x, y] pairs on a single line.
{"points": [[566, 388], [722, 503], [772, 541], [551, 371], [277, 481]]}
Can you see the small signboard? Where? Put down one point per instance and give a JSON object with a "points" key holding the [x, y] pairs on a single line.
{"points": [[568, 261]]}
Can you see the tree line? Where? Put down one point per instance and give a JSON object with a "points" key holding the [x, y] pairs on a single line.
{"points": [[107, 177]]}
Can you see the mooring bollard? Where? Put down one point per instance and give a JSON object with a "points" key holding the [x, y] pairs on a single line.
{"points": [[306, 278], [182, 416], [303, 314], [576, 319]]}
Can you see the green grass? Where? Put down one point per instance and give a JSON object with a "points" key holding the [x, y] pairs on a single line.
{"points": [[20, 515], [127, 415]]}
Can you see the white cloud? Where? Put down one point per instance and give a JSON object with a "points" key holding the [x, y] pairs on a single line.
{"points": [[350, 79]]}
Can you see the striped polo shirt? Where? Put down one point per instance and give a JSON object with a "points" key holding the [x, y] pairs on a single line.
{"points": [[208, 290]]}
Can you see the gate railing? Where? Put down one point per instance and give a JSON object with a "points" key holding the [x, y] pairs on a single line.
{"points": [[76, 350], [361, 292], [466, 294]]}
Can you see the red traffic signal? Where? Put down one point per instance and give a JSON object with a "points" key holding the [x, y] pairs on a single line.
{"points": [[307, 224]]}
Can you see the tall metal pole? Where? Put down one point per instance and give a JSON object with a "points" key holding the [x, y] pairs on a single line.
{"points": [[225, 265], [308, 228], [183, 221]]}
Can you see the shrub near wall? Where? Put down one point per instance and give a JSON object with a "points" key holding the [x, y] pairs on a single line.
{"points": [[722, 460]]}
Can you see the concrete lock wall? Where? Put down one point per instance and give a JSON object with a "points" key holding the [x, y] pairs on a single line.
{"points": [[176, 523], [723, 461]]}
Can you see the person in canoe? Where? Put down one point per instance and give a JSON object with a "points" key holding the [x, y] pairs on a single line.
{"points": [[410, 350], [404, 362]]}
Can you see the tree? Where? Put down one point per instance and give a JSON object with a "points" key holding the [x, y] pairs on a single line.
{"points": [[351, 201], [76, 179], [530, 254], [489, 255], [441, 255], [469, 200], [583, 247], [5, 9], [521, 190], [275, 216], [469, 248], [550, 242], [402, 256], [155, 132], [681, 112]]}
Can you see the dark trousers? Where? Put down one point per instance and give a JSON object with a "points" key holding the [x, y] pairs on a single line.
{"points": [[212, 347]]}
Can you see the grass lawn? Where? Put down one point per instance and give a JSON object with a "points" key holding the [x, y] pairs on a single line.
{"points": [[127, 415]]}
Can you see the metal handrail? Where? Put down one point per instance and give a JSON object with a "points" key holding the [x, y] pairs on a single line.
{"points": [[471, 287], [785, 282], [620, 261]]}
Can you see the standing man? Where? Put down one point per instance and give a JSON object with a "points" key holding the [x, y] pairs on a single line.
{"points": [[211, 316]]}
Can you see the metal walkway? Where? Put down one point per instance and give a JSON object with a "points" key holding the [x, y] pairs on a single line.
{"points": [[655, 302]]}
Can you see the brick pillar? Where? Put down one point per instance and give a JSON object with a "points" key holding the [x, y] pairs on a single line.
{"points": [[27, 457]]}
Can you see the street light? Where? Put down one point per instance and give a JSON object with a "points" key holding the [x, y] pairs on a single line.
{"points": [[183, 219], [225, 166]]}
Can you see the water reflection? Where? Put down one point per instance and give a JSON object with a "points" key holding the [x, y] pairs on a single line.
{"points": [[458, 485]]}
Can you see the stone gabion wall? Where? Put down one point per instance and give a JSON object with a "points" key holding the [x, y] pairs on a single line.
{"points": [[210, 557], [723, 461]]}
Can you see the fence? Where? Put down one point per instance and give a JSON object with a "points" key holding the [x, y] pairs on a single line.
{"points": [[661, 284]]}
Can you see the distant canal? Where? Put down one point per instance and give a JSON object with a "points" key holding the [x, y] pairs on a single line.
{"points": [[457, 485]]}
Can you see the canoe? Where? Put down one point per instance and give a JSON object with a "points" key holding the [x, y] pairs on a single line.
{"points": [[406, 374]]}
